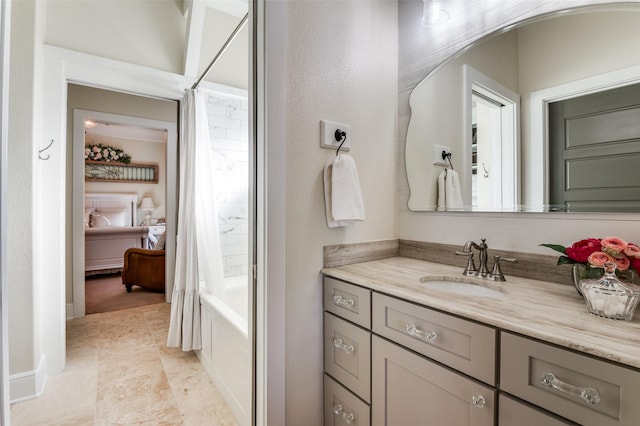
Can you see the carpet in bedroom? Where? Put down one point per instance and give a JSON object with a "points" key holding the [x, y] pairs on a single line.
{"points": [[105, 293]]}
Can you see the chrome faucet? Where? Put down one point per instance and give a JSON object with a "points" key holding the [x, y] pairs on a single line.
{"points": [[483, 271]]}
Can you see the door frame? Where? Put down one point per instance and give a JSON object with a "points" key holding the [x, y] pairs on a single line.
{"points": [[475, 81], [77, 210], [61, 67], [537, 196]]}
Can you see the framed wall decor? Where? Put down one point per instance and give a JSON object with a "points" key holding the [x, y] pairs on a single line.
{"points": [[100, 171]]}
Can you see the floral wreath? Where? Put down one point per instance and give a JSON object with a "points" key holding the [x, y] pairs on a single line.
{"points": [[100, 152]]}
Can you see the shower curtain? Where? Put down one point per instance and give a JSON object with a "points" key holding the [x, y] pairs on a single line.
{"points": [[198, 254]]}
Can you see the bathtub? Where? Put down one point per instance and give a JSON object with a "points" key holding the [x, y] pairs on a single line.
{"points": [[226, 352]]}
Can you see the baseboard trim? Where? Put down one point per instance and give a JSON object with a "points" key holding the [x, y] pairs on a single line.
{"points": [[70, 311], [29, 384]]}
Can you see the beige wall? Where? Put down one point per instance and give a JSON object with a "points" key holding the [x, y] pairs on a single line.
{"points": [[141, 151], [24, 328], [341, 66], [149, 33], [232, 68], [93, 99]]}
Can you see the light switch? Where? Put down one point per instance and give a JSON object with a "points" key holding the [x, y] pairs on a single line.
{"points": [[328, 135]]}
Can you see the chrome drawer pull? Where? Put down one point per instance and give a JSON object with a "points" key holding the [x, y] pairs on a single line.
{"points": [[428, 336], [347, 417], [341, 301], [590, 395], [478, 401], [348, 349]]}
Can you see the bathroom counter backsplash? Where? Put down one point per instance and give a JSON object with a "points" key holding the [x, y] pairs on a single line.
{"points": [[551, 312]]}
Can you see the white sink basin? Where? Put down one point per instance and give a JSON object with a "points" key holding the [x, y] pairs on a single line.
{"points": [[463, 286]]}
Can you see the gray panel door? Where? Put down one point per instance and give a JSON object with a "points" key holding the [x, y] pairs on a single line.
{"points": [[594, 149]]}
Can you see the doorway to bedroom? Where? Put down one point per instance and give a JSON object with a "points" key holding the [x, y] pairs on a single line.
{"points": [[124, 174]]}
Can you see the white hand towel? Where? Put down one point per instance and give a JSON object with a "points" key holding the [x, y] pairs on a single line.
{"points": [[452, 189], [442, 203], [449, 193], [346, 195], [343, 197], [328, 168]]}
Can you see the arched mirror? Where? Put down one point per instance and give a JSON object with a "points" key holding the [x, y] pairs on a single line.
{"points": [[488, 106]]}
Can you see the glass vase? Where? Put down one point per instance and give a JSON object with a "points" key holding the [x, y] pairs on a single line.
{"points": [[581, 272], [609, 297]]}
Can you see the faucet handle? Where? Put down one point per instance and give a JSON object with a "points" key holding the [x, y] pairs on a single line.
{"points": [[470, 269], [496, 273]]}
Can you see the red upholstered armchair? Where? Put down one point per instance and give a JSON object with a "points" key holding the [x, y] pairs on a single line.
{"points": [[144, 268]]}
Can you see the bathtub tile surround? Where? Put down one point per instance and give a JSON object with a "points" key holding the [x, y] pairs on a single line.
{"points": [[119, 371], [229, 131], [225, 354]]}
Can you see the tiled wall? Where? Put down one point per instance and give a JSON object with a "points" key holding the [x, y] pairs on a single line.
{"points": [[229, 132]]}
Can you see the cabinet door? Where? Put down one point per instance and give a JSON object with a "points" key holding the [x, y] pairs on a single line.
{"points": [[408, 389], [347, 355], [341, 407], [513, 413]]}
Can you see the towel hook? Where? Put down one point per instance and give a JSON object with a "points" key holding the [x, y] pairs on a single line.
{"points": [[447, 155], [341, 136], [486, 172], [40, 156]]}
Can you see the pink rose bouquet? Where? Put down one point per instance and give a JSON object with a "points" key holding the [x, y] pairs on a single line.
{"points": [[595, 252], [100, 152]]}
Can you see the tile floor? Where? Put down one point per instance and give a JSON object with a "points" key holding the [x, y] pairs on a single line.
{"points": [[120, 372]]}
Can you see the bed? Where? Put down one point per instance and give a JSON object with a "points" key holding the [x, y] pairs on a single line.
{"points": [[110, 228]]}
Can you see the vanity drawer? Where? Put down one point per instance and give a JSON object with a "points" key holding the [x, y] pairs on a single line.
{"points": [[347, 355], [514, 413], [348, 301], [464, 345], [341, 407], [526, 363]]}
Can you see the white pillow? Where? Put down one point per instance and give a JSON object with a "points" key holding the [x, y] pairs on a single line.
{"points": [[104, 218]]}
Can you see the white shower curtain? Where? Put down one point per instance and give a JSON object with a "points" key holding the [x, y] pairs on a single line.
{"points": [[198, 254]]}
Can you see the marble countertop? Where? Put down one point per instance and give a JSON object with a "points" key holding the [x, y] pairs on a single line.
{"points": [[551, 312]]}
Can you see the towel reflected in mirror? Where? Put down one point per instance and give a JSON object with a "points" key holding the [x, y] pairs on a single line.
{"points": [[449, 192]]}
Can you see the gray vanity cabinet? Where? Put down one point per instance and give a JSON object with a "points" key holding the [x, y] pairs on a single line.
{"points": [[347, 353], [408, 389], [393, 362]]}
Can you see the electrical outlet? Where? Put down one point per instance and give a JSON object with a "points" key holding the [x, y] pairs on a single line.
{"points": [[437, 155], [328, 135]]}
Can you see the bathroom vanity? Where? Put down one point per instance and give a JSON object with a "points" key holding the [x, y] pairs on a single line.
{"points": [[399, 351]]}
